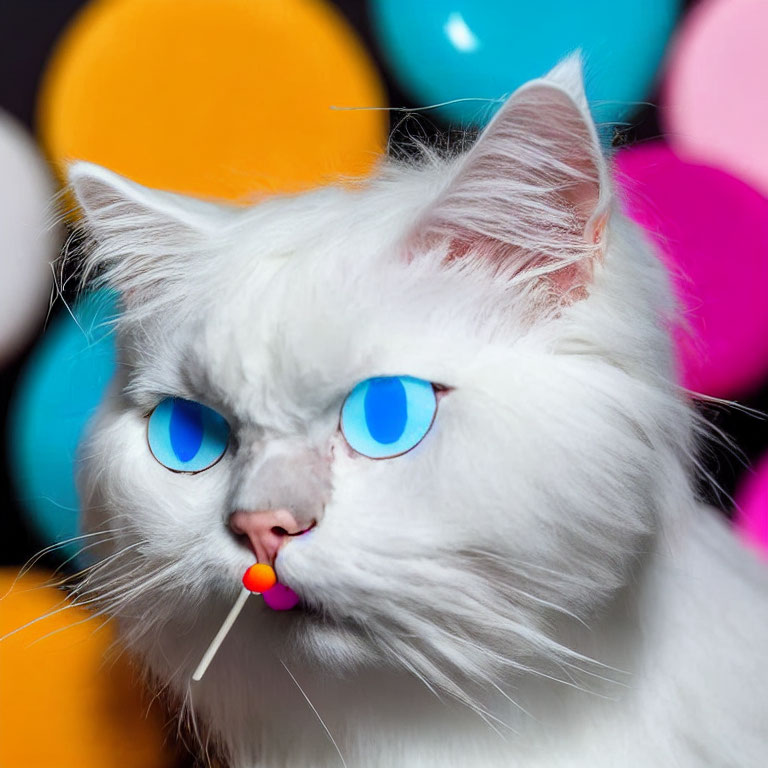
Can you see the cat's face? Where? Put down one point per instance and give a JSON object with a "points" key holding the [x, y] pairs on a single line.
{"points": [[549, 454]]}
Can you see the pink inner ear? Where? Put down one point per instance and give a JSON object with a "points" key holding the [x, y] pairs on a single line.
{"points": [[571, 284], [567, 285], [481, 247], [595, 229], [527, 197], [502, 256]]}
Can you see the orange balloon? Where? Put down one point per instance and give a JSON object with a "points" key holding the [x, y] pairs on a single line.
{"points": [[214, 98], [61, 703]]}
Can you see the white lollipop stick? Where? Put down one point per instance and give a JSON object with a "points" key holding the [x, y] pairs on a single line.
{"points": [[257, 579], [234, 612]]}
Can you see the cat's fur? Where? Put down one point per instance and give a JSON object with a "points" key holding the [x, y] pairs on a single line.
{"points": [[534, 585]]}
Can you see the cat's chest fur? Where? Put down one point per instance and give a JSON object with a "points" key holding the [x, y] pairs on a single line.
{"points": [[668, 697]]}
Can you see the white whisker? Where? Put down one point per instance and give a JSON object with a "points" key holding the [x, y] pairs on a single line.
{"points": [[317, 714]]}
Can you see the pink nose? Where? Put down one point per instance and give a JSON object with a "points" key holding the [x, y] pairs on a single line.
{"points": [[267, 530]]}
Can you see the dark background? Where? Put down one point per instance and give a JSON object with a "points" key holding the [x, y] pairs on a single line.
{"points": [[28, 31]]}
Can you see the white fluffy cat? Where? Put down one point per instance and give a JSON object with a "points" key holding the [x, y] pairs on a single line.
{"points": [[533, 585]]}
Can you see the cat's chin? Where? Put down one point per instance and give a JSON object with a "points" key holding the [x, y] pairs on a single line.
{"points": [[339, 646]]}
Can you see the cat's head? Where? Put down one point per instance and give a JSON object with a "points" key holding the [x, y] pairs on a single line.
{"points": [[510, 326]]}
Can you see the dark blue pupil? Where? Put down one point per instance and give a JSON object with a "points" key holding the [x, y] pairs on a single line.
{"points": [[186, 428], [386, 409]]}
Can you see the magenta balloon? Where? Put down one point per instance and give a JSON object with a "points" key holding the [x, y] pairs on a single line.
{"points": [[752, 506], [712, 231]]}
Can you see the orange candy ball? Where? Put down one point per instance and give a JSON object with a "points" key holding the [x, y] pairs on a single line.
{"points": [[259, 578]]}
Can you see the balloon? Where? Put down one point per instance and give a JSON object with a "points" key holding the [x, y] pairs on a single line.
{"points": [[213, 98], [60, 388], [29, 241], [715, 110], [752, 506], [62, 705], [712, 231], [456, 49]]}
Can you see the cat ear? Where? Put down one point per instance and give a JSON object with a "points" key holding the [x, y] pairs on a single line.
{"points": [[139, 240], [531, 196]]}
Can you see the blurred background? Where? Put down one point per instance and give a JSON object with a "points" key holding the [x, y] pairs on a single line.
{"points": [[237, 99]]}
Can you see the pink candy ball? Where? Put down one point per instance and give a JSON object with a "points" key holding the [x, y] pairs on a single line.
{"points": [[712, 232], [280, 598], [752, 507]]}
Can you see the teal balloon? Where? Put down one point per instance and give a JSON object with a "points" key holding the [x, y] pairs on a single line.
{"points": [[441, 50], [60, 388]]}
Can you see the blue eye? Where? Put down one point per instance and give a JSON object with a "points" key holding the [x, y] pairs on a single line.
{"points": [[185, 436], [386, 416]]}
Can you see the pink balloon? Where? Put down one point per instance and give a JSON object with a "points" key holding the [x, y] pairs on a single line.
{"points": [[715, 108], [712, 232], [752, 507]]}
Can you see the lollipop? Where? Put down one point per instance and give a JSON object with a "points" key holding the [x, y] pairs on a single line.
{"points": [[259, 579]]}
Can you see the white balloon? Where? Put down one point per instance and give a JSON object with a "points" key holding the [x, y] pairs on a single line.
{"points": [[29, 241]]}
